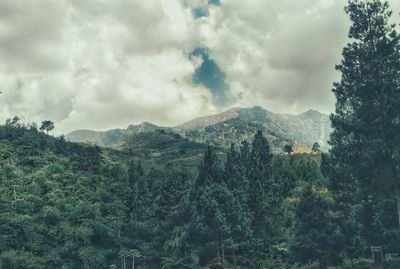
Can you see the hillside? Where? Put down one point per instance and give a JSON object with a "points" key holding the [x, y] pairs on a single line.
{"points": [[57, 200], [73, 205], [113, 137], [161, 148]]}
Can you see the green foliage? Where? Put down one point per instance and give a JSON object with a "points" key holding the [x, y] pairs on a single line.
{"points": [[288, 149], [365, 140], [363, 168], [47, 126], [75, 206], [162, 148], [316, 148], [317, 236], [13, 259]]}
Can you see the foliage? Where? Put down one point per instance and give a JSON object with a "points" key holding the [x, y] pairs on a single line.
{"points": [[317, 236], [363, 168], [47, 126]]}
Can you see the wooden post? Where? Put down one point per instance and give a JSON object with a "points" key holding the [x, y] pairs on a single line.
{"points": [[398, 205], [374, 250], [223, 252]]}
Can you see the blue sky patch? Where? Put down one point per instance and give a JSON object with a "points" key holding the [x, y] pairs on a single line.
{"points": [[203, 11], [210, 75], [199, 12], [214, 2]]}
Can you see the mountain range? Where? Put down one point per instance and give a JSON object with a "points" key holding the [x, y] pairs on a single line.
{"points": [[219, 130]]}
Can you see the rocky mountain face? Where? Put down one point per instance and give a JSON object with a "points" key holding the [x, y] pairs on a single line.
{"points": [[238, 124], [233, 125]]}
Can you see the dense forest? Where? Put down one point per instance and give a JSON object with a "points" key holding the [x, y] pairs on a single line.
{"points": [[78, 206]]}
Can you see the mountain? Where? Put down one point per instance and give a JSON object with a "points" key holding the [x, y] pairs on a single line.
{"points": [[233, 125], [238, 124], [203, 122], [111, 138]]}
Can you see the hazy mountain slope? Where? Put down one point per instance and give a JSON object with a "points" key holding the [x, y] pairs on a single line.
{"points": [[112, 138], [233, 125], [203, 122], [241, 124]]}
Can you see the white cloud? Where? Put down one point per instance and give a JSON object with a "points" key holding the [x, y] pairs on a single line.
{"points": [[106, 64], [99, 66]]}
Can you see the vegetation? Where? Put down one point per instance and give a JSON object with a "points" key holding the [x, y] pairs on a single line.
{"points": [[288, 149], [47, 126], [67, 205]]}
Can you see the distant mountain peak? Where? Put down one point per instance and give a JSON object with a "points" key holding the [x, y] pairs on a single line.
{"points": [[312, 112], [203, 122]]}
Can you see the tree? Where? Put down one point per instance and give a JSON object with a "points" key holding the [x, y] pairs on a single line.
{"points": [[173, 215], [240, 217], [133, 253], [235, 175], [259, 175], [14, 122], [288, 149], [365, 141], [316, 148], [134, 172], [265, 199], [317, 237], [123, 254], [47, 126], [212, 207], [216, 224], [209, 170]]}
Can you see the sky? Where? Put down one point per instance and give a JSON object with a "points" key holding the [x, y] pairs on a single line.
{"points": [[103, 64]]}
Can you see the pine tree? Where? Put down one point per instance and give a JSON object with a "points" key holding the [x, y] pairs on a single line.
{"points": [[209, 170], [347, 196], [235, 176], [259, 173], [240, 217], [316, 148], [210, 198], [317, 237], [288, 148], [135, 171], [365, 141]]}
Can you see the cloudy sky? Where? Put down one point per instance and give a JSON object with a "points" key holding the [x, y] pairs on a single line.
{"points": [[104, 64]]}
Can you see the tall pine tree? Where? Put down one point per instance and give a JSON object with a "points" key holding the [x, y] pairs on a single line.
{"points": [[365, 141]]}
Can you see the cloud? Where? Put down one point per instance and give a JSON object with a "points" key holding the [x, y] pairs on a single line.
{"points": [[105, 64], [29, 41], [281, 55], [99, 66]]}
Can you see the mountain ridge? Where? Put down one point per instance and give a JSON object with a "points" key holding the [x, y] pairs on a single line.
{"points": [[221, 129]]}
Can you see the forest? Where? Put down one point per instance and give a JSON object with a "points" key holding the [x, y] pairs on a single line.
{"points": [[70, 206]]}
